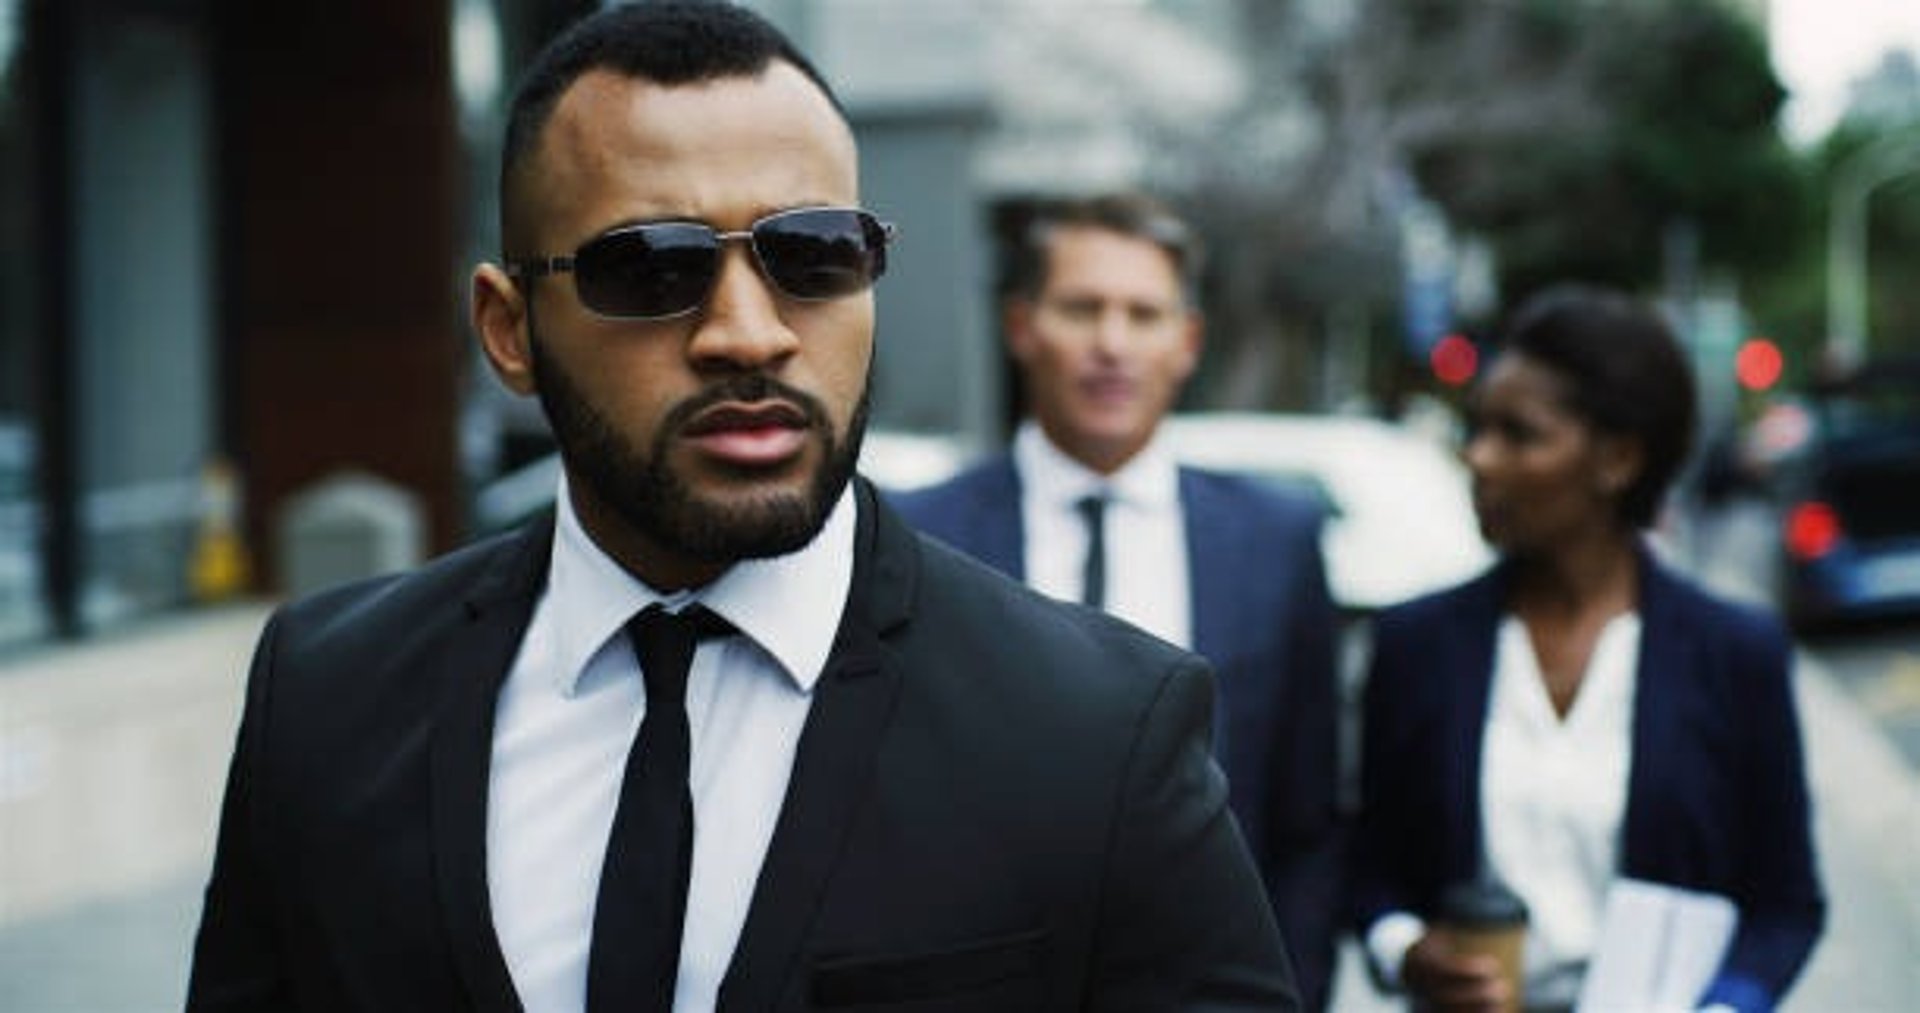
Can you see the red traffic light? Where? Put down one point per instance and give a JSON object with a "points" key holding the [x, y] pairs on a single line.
{"points": [[1758, 364], [1812, 529], [1454, 360]]}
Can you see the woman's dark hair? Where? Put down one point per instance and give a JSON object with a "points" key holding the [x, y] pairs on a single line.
{"points": [[1625, 375], [667, 42]]}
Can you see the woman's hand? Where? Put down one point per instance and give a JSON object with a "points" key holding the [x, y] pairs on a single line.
{"points": [[1444, 979]]}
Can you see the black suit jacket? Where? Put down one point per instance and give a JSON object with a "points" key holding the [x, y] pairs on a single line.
{"points": [[998, 803]]}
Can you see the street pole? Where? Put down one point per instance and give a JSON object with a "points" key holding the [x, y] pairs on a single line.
{"points": [[1854, 181]]}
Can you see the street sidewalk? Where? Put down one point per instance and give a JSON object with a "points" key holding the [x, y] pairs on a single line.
{"points": [[113, 751], [112, 757]]}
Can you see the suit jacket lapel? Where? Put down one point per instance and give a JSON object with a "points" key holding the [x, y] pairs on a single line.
{"points": [[1464, 681], [833, 766], [998, 535], [1661, 720], [475, 662], [1210, 569]]}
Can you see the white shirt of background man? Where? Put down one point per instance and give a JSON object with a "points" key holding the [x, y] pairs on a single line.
{"points": [[1147, 575]]}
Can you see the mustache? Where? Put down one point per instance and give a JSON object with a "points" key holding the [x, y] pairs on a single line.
{"points": [[746, 388]]}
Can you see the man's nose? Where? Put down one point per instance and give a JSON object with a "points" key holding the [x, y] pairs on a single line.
{"points": [[741, 325], [1112, 330]]}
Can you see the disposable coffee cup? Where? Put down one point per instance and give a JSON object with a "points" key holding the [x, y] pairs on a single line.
{"points": [[1484, 917]]}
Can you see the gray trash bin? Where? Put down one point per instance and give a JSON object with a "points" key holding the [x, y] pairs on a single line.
{"points": [[345, 527]]}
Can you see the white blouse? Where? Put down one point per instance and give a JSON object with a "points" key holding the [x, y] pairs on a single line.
{"points": [[1553, 798], [1553, 795]]}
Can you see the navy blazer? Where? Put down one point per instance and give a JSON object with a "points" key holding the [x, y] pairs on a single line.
{"points": [[1716, 797], [1261, 614]]}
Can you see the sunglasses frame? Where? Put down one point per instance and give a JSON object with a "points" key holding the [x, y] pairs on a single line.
{"points": [[537, 267]]}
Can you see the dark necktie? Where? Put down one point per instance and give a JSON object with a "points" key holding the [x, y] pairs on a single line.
{"points": [[634, 954], [1093, 572]]}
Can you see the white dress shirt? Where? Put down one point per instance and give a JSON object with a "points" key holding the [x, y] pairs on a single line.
{"points": [[1553, 797], [1147, 579], [567, 715]]}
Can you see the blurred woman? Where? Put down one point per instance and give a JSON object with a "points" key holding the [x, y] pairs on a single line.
{"points": [[1580, 712]]}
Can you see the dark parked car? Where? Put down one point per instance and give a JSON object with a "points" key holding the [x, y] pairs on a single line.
{"points": [[1850, 529]]}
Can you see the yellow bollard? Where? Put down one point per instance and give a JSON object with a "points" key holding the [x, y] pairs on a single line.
{"points": [[220, 567]]}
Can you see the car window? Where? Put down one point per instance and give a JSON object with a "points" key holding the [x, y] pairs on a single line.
{"points": [[1873, 405]]}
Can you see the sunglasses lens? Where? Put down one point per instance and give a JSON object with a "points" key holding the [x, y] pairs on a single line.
{"points": [[821, 253], [647, 271]]}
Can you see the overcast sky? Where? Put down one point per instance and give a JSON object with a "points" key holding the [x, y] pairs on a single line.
{"points": [[1821, 46]]}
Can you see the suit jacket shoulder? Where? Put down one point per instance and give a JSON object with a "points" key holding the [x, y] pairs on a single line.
{"points": [[1248, 497], [1040, 784], [976, 511], [355, 803], [379, 613], [1749, 628]]}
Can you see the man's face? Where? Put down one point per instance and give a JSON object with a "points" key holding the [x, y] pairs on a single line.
{"points": [[727, 433], [1106, 345]]}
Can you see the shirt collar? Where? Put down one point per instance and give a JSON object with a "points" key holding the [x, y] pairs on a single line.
{"points": [[1150, 479], [789, 605]]}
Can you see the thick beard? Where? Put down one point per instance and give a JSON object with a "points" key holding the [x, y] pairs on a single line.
{"points": [[658, 503]]}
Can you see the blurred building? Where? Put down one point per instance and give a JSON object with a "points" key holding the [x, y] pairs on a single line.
{"points": [[229, 232], [968, 114], [234, 242]]}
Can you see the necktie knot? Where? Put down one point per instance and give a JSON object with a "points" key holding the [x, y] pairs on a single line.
{"points": [[664, 643]]}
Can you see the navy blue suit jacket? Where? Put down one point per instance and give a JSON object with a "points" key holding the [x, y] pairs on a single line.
{"points": [[1716, 797], [1262, 616]]}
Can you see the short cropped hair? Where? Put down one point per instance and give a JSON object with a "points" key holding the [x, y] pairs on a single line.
{"points": [[666, 42], [1129, 214], [1625, 374]]}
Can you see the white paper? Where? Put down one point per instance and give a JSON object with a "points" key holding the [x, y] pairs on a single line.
{"points": [[1658, 948]]}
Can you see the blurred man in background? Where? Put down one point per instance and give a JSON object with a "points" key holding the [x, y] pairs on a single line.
{"points": [[1089, 506]]}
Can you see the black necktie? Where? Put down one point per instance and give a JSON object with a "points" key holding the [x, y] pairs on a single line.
{"points": [[634, 954], [1093, 572]]}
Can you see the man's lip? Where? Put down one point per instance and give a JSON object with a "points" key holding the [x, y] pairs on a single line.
{"points": [[750, 436], [1106, 386], [730, 418]]}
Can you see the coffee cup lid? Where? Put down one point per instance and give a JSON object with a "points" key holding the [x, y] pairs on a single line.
{"points": [[1482, 902]]}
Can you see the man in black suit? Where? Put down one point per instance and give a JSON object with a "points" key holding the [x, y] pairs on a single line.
{"points": [[888, 778]]}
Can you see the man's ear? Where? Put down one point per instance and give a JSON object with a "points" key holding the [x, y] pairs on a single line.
{"points": [[500, 318], [1193, 341], [1016, 320]]}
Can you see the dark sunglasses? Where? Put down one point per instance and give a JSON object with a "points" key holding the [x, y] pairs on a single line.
{"points": [[664, 269]]}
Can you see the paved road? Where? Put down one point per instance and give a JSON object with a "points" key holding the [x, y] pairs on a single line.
{"points": [[1880, 670]]}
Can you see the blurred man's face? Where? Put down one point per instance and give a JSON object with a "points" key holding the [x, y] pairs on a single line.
{"points": [[1106, 345], [729, 432]]}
